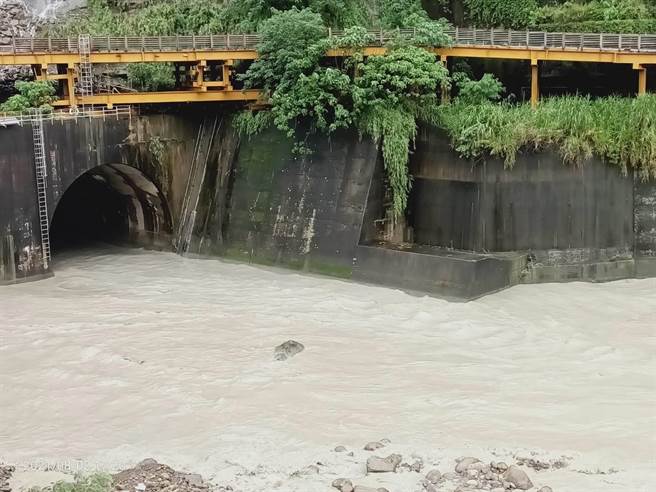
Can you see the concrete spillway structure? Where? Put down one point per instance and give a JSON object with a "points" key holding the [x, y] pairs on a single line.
{"points": [[190, 184]]}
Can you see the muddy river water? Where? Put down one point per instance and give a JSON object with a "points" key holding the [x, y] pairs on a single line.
{"points": [[127, 354]]}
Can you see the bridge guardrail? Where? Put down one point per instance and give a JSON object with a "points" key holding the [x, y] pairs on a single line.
{"points": [[9, 119], [461, 37]]}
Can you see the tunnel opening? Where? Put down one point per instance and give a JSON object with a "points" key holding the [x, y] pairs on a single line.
{"points": [[111, 204]]}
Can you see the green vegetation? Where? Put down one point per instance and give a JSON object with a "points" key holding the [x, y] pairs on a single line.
{"points": [[625, 16], [488, 88], [203, 16], [156, 18], [511, 14], [383, 96], [160, 17], [31, 95], [386, 97], [577, 127], [151, 76], [392, 94], [97, 482]]}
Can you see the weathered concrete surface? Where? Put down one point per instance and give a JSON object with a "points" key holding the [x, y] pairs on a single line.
{"points": [[576, 223], [645, 228], [539, 204], [178, 179], [20, 243], [301, 212], [186, 181], [98, 151], [454, 275]]}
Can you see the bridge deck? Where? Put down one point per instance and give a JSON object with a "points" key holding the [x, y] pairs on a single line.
{"points": [[196, 51]]}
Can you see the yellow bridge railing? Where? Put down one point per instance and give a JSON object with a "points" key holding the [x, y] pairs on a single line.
{"points": [[206, 63], [461, 37]]}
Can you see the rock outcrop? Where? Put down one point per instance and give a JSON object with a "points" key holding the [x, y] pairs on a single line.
{"points": [[15, 20]]}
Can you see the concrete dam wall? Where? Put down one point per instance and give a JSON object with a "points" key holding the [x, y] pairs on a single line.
{"points": [[188, 183]]}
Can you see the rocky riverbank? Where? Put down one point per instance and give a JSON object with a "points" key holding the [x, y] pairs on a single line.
{"points": [[466, 474], [6, 472]]}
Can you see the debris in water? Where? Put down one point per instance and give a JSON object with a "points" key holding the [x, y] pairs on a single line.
{"points": [[288, 349]]}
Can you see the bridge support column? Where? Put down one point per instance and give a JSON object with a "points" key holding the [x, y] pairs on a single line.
{"points": [[446, 93], [70, 84], [227, 72], [200, 75], [642, 78], [535, 84], [40, 71]]}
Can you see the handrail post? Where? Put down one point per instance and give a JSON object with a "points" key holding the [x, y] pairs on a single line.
{"points": [[382, 40], [193, 42], [457, 35], [243, 44], [49, 44], [492, 36]]}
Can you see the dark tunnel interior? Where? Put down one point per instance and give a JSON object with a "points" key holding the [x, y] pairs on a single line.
{"points": [[112, 204]]}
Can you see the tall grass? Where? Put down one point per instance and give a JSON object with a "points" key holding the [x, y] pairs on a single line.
{"points": [[621, 131]]}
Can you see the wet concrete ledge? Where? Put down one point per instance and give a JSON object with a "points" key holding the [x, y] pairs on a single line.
{"points": [[453, 275], [24, 280]]}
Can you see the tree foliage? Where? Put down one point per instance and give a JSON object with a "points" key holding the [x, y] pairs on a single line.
{"points": [[488, 88], [151, 76], [31, 95], [626, 16], [511, 14], [383, 96], [393, 92], [292, 44], [186, 17], [321, 101], [395, 13]]}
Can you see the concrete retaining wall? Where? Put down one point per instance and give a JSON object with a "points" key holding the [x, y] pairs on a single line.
{"points": [[198, 189], [301, 212]]}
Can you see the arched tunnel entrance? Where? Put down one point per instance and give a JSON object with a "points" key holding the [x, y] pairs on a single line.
{"points": [[115, 204]]}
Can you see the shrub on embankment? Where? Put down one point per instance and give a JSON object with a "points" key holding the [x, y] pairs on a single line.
{"points": [[622, 131], [384, 96]]}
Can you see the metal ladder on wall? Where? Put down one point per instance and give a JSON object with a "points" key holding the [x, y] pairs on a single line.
{"points": [[41, 187], [85, 78]]}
